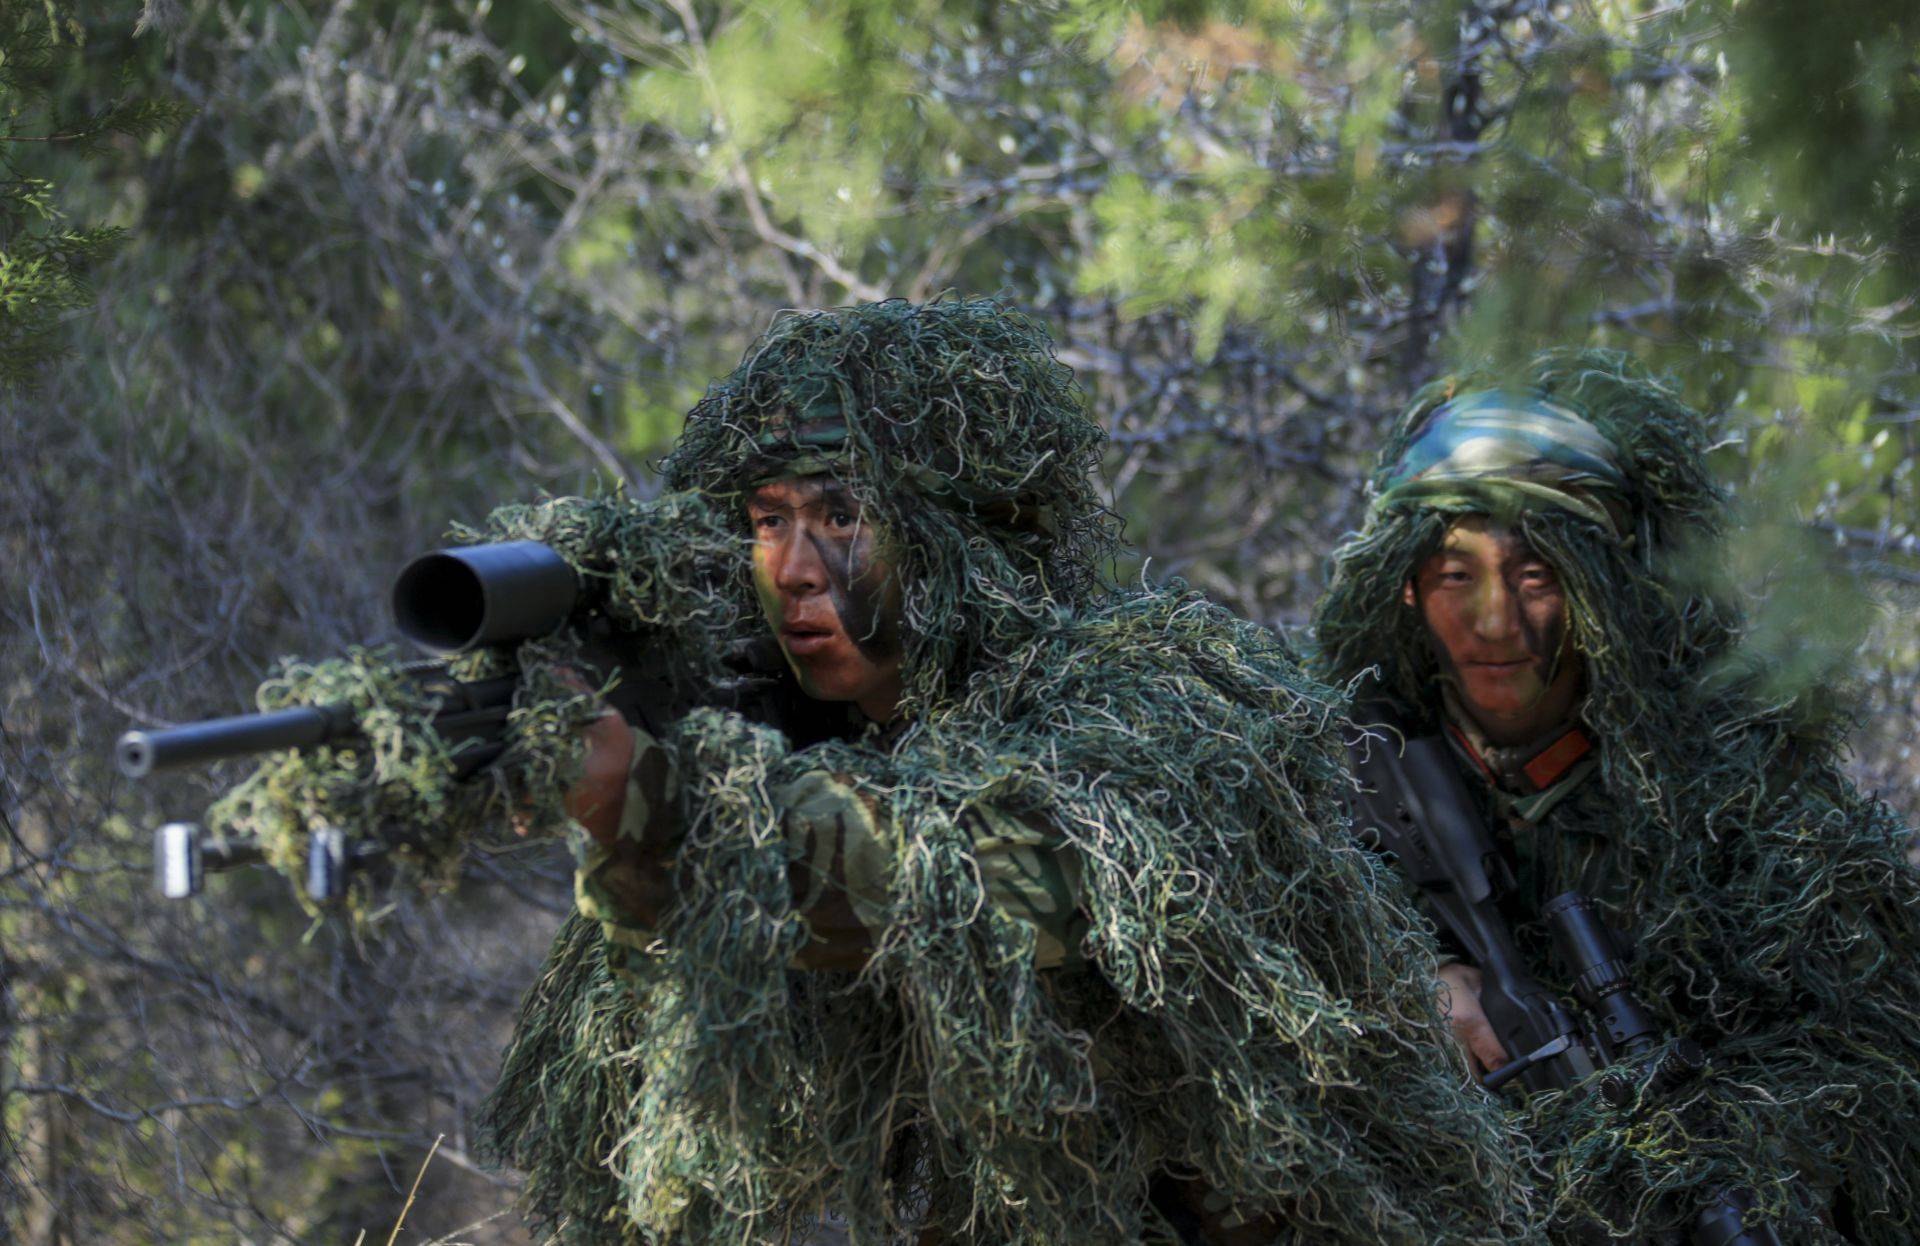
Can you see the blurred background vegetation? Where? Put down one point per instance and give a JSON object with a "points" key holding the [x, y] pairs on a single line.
{"points": [[285, 288]]}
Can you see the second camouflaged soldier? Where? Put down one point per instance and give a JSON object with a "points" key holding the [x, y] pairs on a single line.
{"points": [[1528, 585]]}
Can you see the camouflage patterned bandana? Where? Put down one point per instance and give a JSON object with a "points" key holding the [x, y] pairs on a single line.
{"points": [[1499, 451], [816, 444], [809, 438]]}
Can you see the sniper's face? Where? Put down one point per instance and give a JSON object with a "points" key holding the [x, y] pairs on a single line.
{"points": [[829, 591], [1496, 617]]}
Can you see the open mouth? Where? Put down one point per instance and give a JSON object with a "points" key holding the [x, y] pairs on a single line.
{"points": [[803, 640]]}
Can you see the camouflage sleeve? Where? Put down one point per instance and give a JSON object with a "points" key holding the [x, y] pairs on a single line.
{"points": [[840, 864], [626, 884], [842, 867]]}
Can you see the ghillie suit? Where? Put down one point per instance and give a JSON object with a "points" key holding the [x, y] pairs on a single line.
{"points": [[1776, 919], [1111, 935]]}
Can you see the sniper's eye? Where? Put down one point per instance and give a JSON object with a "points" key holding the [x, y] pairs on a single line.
{"points": [[843, 520], [768, 524]]}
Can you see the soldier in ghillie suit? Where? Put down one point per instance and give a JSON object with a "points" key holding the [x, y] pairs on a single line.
{"points": [[1054, 932], [1529, 583]]}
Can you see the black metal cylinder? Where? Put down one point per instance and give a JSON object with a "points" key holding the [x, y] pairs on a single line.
{"points": [[1599, 968], [1586, 946], [456, 600], [139, 753]]}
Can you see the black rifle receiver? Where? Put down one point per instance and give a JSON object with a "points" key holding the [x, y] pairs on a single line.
{"points": [[1415, 808]]}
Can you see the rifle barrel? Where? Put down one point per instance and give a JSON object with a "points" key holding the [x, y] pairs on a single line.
{"points": [[140, 753], [470, 708]]}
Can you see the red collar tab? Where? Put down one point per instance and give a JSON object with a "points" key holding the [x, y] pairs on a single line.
{"points": [[1537, 770], [1466, 746], [1551, 764]]}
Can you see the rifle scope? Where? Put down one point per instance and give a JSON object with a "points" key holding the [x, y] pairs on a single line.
{"points": [[1600, 969], [456, 600]]}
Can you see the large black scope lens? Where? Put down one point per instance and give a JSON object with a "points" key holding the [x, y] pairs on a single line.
{"points": [[454, 600]]}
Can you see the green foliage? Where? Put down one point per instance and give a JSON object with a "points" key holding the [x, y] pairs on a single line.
{"points": [[1830, 109], [408, 260], [44, 259]]}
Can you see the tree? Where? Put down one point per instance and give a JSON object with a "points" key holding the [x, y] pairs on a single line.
{"points": [[44, 259]]}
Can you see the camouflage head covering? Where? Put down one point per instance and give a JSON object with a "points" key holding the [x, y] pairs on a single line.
{"points": [[959, 402], [1604, 471], [1501, 450], [964, 439]]}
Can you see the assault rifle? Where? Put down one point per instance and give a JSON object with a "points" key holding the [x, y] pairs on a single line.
{"points": [[450, 602], [1415, 808]]}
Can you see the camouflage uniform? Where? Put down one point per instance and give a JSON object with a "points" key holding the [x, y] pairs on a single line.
{"points": [[842, 867]]}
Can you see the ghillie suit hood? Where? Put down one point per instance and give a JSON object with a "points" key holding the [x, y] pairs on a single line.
{"points": [[1250, 1010], [965, 441], [1777, 920]]}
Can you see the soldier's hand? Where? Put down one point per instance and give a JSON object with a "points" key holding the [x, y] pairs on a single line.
{"points": [[1460, 1000], [597, 799]]}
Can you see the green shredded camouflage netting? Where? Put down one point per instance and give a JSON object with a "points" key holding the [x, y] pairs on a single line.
{"points": [[663, 572], [964, 439], [1262, 1014], [1263, 1017], [1778, 922]]}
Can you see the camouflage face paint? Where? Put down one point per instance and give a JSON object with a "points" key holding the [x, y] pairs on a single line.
{"points": [[1546, 643], [770, 608], [851, 577], [1544, 646], [862, 591], [1496, 618]]}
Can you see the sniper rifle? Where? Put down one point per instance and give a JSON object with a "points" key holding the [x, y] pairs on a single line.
{"points": [[450, 602]]}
